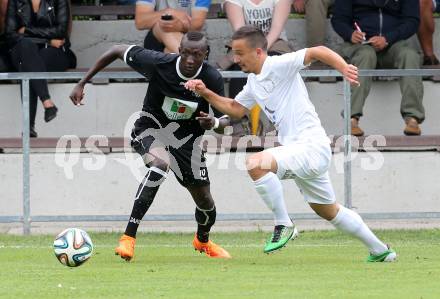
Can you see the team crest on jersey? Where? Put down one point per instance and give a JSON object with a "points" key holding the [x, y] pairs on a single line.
{"points": [[177, 109]]}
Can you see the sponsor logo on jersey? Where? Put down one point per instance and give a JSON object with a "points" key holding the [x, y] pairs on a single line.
{"points": [[177, 109]]}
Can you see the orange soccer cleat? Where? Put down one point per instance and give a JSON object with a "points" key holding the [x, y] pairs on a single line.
{"points": [[126, 247], [210, 248]]}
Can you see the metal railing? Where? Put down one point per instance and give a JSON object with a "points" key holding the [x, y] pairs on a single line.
{"points": [[25, 77]]}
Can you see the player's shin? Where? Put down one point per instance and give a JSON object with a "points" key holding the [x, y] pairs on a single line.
{"points": [[144, 198], [350, 222], [205, 220], [271, 191]]}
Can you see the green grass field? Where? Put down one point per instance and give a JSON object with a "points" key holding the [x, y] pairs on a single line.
{"points": [[317, 265]]}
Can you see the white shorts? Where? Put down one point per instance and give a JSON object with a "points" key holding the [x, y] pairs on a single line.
{"points": [[307, 164]]}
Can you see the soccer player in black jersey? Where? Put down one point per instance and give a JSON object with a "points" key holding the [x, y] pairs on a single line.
{"points": [[168, 131]]}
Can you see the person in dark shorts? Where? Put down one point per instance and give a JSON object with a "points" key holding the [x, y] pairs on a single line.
{"points": [[167, 133], [167, 21]]}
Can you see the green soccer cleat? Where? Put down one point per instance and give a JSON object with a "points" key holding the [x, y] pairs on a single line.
{"points": [[388, 256], [280, 236]]}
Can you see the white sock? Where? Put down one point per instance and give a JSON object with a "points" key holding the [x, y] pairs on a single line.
{"points": [[271, 191], [350, 222]]}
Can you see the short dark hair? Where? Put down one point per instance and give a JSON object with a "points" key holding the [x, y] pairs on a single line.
{"points": [[253, 35], [195, 36]]}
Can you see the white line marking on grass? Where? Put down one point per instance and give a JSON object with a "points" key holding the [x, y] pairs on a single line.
{"points": [[178, 246], [99, 246]]}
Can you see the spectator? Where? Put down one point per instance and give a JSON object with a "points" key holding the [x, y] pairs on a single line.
{"points": [[426, 30], [37, 33], [270, 16], [165, 33], [316, 19], [4, 61], [3, 9], [381, 43]]}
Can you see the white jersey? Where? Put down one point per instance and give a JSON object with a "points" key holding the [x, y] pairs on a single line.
{"points": [[281, 93], [259, 15]]}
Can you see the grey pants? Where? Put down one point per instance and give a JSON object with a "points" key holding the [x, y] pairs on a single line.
{"points": [[399, 56], [316, 21]]}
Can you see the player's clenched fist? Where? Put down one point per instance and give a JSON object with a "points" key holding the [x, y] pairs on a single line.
{"points": [[77, 94], [206, 121]]}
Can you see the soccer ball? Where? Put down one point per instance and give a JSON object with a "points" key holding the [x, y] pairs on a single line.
{"points": [[73, 247]]}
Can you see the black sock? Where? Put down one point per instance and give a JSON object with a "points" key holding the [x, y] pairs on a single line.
{"points": [[205, 220], [144, 198]]}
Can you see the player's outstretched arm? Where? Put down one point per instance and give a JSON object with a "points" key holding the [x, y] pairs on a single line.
{"points": [[108, 57], [223, 104], [333, 59]]}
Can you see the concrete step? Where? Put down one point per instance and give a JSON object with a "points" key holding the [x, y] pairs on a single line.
{"points": [[108, 107]]}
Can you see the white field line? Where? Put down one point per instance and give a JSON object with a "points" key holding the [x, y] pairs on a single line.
{"points": [[99, 246], [178, 246]]}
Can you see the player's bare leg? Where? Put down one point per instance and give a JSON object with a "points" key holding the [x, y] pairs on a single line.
{"points": [[205, 215], [171, 40], [350, 222], [262, 168]]}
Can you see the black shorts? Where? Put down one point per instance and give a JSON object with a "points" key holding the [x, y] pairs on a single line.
{"points": [[151, 43], [188, 162]]}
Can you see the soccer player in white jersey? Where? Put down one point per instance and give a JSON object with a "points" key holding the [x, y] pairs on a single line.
{"points": [[275, 84]]}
